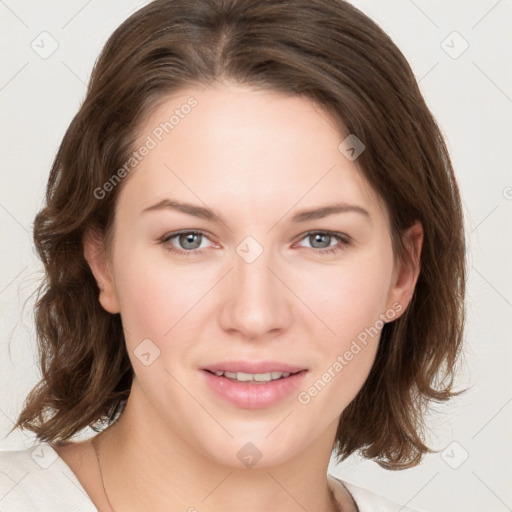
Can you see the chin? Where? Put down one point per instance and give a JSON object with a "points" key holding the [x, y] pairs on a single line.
{"points": [[254, 450]]}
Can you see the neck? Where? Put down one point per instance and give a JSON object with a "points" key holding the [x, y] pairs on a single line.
{"points": [[146, 465]]}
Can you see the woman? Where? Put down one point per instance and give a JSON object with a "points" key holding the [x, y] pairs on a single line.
{"points": [[254, 254]]}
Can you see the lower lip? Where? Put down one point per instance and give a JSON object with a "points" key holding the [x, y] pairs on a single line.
{"points": [[254, 395]]}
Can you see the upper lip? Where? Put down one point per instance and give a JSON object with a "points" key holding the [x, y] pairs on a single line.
{"points": [[253, 367]]}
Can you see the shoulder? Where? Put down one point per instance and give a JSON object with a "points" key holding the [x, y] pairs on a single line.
{"points": [[366, 500], [37, 479]]}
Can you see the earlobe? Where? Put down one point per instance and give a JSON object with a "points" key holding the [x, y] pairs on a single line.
{"points": [[407, 271], [96, 256]]}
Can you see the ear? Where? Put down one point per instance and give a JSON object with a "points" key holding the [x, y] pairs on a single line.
{"points": [[96, 256], [405, 274]]}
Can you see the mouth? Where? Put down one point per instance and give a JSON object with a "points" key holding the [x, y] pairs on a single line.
{"points": [[253, 378], [253, 385]]}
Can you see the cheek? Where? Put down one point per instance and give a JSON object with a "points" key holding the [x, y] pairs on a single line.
{"points": [[353, 299], [153, 296], [350, 297]]}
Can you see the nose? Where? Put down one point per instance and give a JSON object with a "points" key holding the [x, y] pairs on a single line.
{"points": [[256, 303]]}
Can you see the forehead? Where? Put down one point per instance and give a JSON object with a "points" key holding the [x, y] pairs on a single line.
{"points": [[251, 149]]}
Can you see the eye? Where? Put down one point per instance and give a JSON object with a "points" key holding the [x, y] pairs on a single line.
{"points": [[190, 241], [321, 240]]}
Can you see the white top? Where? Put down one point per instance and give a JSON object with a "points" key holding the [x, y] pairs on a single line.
{"points": [[36, 479]]}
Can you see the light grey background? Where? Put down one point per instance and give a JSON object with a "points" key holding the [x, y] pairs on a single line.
{"points": [[470, 93]]}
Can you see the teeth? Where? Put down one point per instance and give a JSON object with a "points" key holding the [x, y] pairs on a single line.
{"points": [[248, 377]]}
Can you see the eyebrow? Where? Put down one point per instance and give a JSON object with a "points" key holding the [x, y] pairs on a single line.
{"points": [[300, 216]]}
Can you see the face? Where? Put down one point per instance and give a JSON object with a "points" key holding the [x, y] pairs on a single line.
{"points": [[217, 266]]}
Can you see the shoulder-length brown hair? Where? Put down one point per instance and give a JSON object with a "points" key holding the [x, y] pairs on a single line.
{"points": [[326, 51]]}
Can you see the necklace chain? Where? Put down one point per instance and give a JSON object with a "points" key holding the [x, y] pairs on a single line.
{"points": [[95, 444]]}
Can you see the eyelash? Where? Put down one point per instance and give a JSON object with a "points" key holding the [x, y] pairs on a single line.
{"points": [[344, 240]]}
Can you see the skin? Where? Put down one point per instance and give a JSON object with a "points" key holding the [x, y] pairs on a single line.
{"points": [[256, 158]]}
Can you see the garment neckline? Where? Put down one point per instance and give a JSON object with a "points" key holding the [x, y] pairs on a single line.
{"points": [[337, 486], [340, 491]]}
